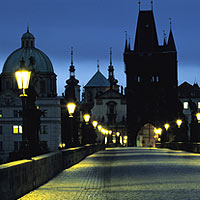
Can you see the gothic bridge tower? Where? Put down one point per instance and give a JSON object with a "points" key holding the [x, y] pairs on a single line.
{"points": [[151, 77]]}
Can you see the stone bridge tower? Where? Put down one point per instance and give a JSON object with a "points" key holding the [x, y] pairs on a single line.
{"points": [[151, 77]]}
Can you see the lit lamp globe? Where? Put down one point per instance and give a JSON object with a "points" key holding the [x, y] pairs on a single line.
{"points": [[118, 134], [166, 126], [86, 118], [71, 108], [99, 127], [198, 117], [23, 76], [94, 123], [179, 122]]}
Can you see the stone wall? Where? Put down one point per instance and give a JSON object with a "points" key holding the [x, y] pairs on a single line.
{"points": [[20, 177]]}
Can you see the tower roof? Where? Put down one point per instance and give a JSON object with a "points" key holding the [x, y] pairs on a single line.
{"points": [[98, 80], [146, 36], [171, 43]]}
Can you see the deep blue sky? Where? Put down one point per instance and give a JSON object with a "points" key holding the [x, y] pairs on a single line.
{"points": [[92, 27]]}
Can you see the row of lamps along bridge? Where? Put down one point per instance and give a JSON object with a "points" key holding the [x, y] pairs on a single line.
{"points": [[23, 76], [107, 133], [158, 131]]}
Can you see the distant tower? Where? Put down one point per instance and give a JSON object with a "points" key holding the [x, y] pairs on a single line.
{"points": [[72, 89], [111, 77], [151, 77]]}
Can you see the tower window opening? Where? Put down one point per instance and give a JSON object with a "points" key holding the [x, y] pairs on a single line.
{"points": [[138, 79]]}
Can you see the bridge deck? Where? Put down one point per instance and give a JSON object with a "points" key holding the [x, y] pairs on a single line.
{"points": [[127, 173]]}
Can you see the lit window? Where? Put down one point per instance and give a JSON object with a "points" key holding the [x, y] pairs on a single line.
{"points": [[17, 129], [138, 79], [185, 105], [199, 105], [157, 78]]}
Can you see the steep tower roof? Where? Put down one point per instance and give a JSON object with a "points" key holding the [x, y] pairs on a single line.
{"points": [[171, 43], [146, 36]]}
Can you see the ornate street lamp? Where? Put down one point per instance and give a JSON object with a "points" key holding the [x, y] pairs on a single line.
{"points": [[86, 118], [30, 113], [166, 126], [94, 123], [71, 108], [22, 76], [179, 122]]}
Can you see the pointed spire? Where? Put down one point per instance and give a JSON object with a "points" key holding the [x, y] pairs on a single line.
{"points": [[139, 3], [129, 42], [126, 45], [28, 29], [152, 5], [170, 23], [98, 65], [71, 55], [72, 68], [171, 43], [110, 56], [164, 38]]}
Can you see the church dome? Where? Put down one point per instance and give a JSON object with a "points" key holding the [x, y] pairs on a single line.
{"points": [[42, 62]]}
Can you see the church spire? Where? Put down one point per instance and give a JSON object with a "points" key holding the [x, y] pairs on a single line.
{"points": [[98, 65], [164, 38], [139, 3], [111, 77], [126, 43], [171, 43], [72, 68], [152, 5], [110, 56]]}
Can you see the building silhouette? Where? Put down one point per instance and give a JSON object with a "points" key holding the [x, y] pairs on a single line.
{"points": [[43, 82], [151, 77]]}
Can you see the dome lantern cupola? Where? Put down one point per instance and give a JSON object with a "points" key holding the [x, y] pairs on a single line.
{"points": [[28, 40]]}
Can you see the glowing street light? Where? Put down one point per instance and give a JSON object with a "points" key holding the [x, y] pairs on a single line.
{"points": [[23, 76], [71, 108], [99, 127], [118, 134], [86, 118], [198, 117], [94, 123], [166, 126], [179, 122]]}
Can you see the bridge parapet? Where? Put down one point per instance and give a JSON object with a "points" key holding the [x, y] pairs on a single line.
{"points": [[20, 177]]}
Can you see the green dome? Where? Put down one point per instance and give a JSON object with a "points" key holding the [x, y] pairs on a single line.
{"points": [[42, 62]]}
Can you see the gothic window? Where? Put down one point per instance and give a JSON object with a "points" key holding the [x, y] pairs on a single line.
{"points": [[157, 79]]}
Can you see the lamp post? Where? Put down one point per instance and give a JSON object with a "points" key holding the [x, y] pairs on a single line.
{"points": [[22, 76], [71, 106], [30, 113]]}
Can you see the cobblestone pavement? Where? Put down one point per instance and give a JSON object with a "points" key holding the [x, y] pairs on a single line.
{"points": [[127, 174]]}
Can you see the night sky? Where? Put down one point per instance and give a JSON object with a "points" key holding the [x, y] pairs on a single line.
{"points": [[92, 27]]}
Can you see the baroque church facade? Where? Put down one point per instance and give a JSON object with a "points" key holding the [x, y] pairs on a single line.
{"points": [[43, 79], [106, 101]]}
